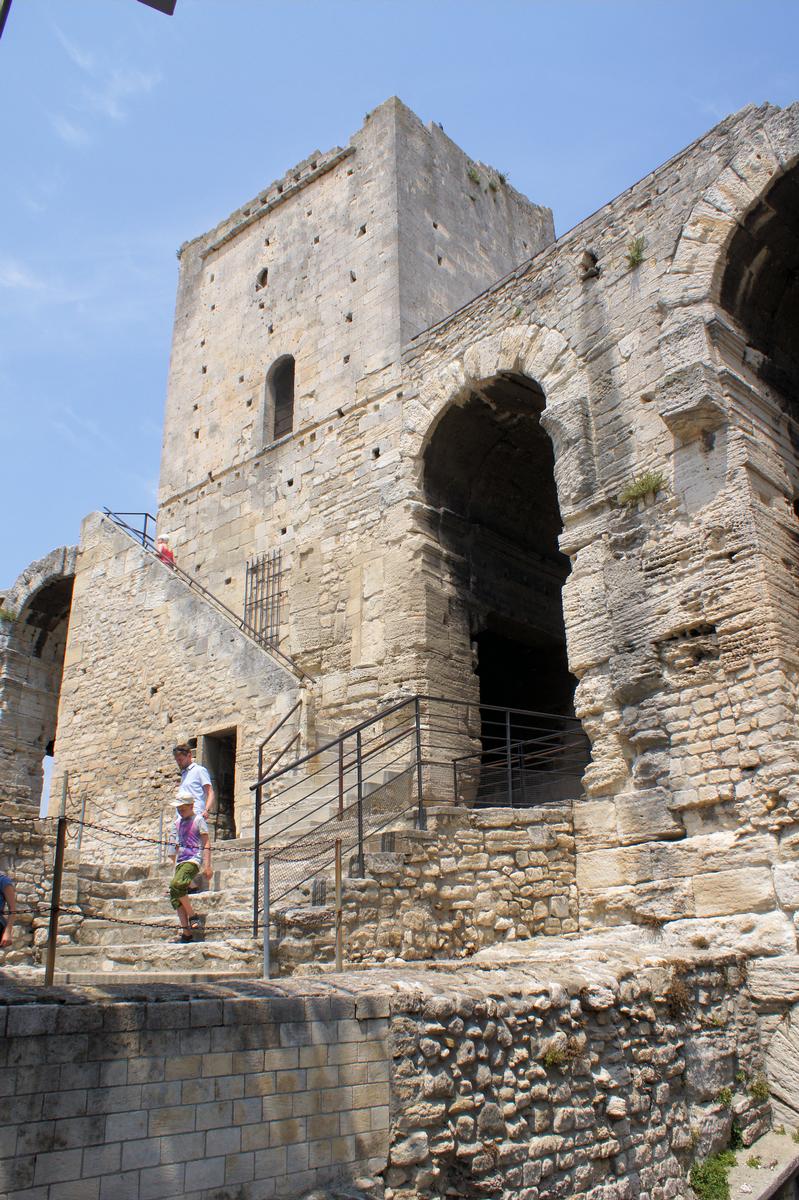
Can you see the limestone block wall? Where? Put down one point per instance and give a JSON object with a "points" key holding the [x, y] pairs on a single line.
{"points": [[363, 248], [472, 880], [194, 1098], [602, 1069], [148, 664], [677, 614]]}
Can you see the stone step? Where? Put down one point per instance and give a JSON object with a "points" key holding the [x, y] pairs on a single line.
{"points": [[164, 955], [144, 906], [176, 978], [95, 931]]}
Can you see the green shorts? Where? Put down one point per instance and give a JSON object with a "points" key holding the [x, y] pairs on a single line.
{"points": [[181, 881]]}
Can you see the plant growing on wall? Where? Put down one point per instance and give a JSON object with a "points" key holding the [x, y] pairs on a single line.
{"points": [[635, 251], [642, 485], [709, 1177], [677, 997]]}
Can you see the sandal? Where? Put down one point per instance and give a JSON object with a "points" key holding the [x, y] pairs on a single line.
{"points": [[195, 922], [182, 939]]}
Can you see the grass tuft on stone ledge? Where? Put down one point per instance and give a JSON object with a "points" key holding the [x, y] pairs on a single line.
{"points": [[709, 1177], [642, 485]]}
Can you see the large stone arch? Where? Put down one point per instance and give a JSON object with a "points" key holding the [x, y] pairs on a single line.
{"points": [[536, 361], [33, 631], [542, 354], [717, 398]]}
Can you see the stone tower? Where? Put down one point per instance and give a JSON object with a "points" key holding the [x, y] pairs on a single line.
{"points": [[335, 266]]}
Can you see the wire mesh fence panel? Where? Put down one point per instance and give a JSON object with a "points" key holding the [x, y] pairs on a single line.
{"points": [[313, 852]]}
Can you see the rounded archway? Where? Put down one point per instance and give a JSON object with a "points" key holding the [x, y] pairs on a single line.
{"points": [[38, 608], [491, 509], [760, 288]]}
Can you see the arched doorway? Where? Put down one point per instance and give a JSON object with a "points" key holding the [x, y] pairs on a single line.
{"points": [[492, 509], [31, 666], [760, 290]]}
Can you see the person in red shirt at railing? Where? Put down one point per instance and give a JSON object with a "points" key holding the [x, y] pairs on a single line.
{"points": [[163, 551]]}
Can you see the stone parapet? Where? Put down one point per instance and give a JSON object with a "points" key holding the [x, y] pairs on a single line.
{"points": [[604, 1062]]}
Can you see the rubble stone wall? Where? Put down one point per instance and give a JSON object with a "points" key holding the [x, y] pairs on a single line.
{"points": [[584, 1072], [26, 857], [606, 1090], [473, 879]]}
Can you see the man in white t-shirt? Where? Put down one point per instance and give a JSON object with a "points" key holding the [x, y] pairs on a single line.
{"points": [[195, 779]]}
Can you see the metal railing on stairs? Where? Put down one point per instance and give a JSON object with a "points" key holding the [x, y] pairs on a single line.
{"points": [[145, 537], [380, 771]]}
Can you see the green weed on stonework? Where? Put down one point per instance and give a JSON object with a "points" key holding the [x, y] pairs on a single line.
{"points": [[758, 1089], [6, 615], [724, 1097], [635, 251], [642, 485], [709, 1177], [553, 1056], [474, 175]]}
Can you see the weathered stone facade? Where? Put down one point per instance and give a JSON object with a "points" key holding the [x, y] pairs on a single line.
{"points": [[588, 1071], [576, 493]]}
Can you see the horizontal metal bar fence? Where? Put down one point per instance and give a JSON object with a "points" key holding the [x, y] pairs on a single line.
{"points": [[364, 780]]}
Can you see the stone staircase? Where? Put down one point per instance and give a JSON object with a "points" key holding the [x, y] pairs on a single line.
{"points": [[125, 928]]}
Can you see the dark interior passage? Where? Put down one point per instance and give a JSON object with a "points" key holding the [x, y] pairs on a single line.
{"points": [[760, 287], [524, 673], [219, 758], [493, 507]]}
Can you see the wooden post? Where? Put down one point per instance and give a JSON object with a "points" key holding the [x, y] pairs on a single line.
{"points": [[339, 929], [55, 900]]}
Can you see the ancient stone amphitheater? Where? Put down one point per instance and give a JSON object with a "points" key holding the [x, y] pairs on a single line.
{"points": [[484, 622]]}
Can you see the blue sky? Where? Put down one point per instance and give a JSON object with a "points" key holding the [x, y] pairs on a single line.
{"points": [[124, 132]]}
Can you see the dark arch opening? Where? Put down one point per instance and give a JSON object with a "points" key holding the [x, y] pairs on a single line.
{"points": [[280, 389], [39, 642], [493, 508], [760, 291], [760, 287]]}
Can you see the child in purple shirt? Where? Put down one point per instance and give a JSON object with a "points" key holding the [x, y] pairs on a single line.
{"points": [[190, 850]]}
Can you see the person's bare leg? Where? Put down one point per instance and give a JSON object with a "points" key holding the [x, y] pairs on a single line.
{"points": [[185, 912]]}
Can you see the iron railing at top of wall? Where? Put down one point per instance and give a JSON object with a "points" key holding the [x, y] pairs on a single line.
{"points": [[380, 770], [146, 539]]}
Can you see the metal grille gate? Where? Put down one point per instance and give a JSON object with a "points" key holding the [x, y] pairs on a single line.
{"points": [[263, 596]]}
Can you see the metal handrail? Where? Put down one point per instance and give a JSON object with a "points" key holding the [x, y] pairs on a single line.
{"points": [[348, 733], [146, 541]]}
